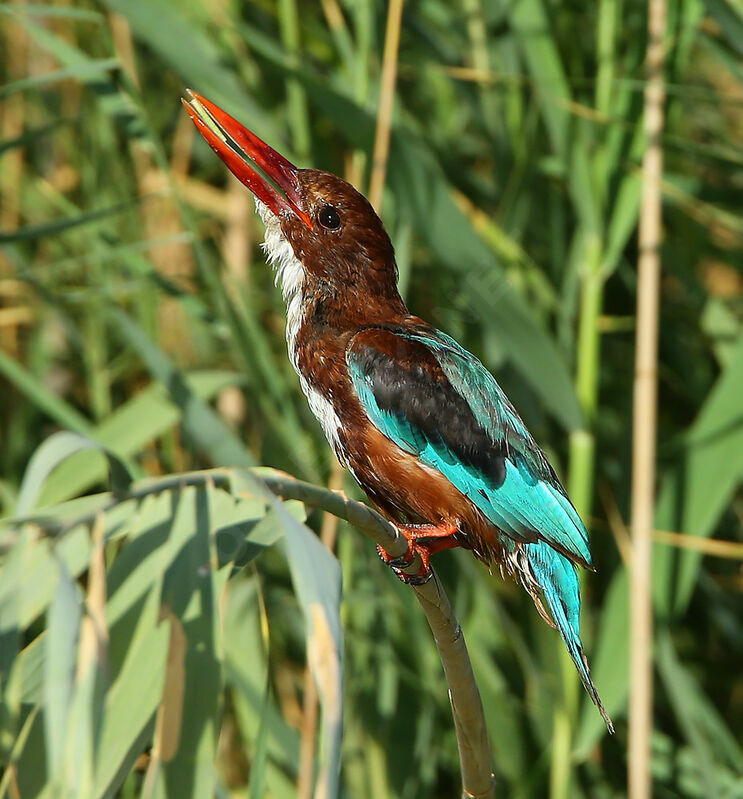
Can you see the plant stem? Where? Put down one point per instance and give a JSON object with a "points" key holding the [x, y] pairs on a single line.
{"points": [[296, 100], [478, 780], [582, 442], [386, 100], [580, 488], [608, 15], [645, 413]]}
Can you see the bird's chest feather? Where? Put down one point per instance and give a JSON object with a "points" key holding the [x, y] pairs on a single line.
{"points": [[323, 375]]}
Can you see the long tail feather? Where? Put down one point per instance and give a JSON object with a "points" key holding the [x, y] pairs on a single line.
{"points": [[558, 583]]}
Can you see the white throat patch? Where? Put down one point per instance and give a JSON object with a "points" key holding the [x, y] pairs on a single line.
{"points": [[290, 276], [289, 273]]}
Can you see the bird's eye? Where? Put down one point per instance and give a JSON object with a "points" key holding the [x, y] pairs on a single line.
{"points": [[329, 217]]}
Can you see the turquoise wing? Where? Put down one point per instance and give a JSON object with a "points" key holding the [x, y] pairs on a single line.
{"points": [[461, 423]]}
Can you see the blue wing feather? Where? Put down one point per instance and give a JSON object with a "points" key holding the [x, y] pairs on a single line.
{"points": [[530, 498]]}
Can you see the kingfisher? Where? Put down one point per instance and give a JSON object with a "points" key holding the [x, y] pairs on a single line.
{"points": [[418, 421]]}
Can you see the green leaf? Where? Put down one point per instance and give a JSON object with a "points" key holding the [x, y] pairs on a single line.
{"points": [[317, 580], [30, 664], [246, 671], [623, 220], [43, 397], [58, 12], [188, 593], [532, 26], [59, 671], [682, 694], [28, 758], [51, 453], [257, 784], [138, 652], [29, 572], [710, 469], [86, 69], [729, 17], [83, 731]]}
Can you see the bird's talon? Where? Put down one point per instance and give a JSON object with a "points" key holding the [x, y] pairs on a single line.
{"points": [[423, 576], [401, 561]]}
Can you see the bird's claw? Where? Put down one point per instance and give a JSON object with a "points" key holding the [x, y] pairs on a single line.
{"points": [[401, 561], [423, 576], [405, 560]]}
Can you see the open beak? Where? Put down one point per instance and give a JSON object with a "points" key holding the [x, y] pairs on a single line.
{"points": [[241, 151]]}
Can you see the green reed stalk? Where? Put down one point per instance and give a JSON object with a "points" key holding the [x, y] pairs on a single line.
{"points": [[296, 98], [582, 456]]}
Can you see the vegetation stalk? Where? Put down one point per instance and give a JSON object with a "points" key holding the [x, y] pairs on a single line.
{"points": [[645, 412]]}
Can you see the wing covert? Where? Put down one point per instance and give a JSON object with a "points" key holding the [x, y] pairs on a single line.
{"points": [[438, 402]]}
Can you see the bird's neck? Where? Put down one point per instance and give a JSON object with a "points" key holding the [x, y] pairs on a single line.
{"points": [[340, 311], [324, 318]]}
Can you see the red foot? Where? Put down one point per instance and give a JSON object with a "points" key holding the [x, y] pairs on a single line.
{"points": [[419, 543]]}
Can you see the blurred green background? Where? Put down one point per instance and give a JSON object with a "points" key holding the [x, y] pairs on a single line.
{"points": [[136, 309]]}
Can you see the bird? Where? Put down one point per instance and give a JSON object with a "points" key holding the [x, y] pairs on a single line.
{"points": [[418, 421]]}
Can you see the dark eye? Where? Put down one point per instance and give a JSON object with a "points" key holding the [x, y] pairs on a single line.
{"points": [[329, 217]]}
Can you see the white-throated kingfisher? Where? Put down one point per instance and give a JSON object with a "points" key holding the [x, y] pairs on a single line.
{"points": [[419, 422]]}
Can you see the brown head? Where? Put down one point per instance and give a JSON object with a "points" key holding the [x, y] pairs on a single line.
{"points": [[337, 240]]}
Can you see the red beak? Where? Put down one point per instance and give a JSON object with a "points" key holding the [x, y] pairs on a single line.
{"points": [[241, 150]]}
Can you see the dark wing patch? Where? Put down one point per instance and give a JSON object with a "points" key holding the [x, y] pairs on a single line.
{"points": [[407, 381]]}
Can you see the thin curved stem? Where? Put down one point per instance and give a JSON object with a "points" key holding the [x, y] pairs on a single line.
{"points": [[478, 780]]}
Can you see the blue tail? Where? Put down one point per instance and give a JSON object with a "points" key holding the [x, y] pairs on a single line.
{"points": [[558, 581]]}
